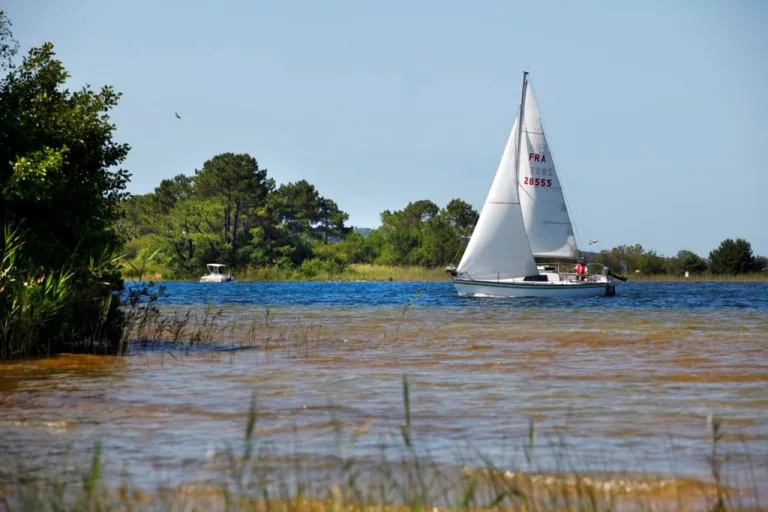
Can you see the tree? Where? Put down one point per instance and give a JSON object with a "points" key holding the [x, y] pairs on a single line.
{"points": [[402, 232], [138, 216], [461, 216], [423, 234], [297, 206], [56, 161], [415, 214], [611, 259], [60, 181], [690, 262], [191, 236], [651, 263], [8, 45], [732, 257], [628, 256], [171, 191], [238, 182], [440, 243], [332, 219]]}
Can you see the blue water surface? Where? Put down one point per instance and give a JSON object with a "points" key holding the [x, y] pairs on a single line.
{"points": [[630, 295]]}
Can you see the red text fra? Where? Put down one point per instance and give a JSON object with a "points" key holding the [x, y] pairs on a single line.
{"points": [[536, 157]]}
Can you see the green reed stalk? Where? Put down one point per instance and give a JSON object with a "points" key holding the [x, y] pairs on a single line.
{"points": [[30, 299]]}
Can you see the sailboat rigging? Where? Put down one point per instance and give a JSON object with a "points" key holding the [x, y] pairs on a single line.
{"points": [[525, 217]]}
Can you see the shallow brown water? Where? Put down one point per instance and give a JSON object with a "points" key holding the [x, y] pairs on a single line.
{"points": [[627, 391]]}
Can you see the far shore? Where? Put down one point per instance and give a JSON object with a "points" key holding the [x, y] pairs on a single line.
{"points": [[383, 273]]}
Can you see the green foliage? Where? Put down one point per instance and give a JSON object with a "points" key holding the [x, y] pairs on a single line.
{"points": [[291, 229], [331, 220], [651, 263], [440, 243], [422, 234], [628, 256], [60, 183], [29, 176], [461, 216], [733, 257], [172, 191], [297, 207], [610, 259], [8, 45], [685, 261], [56, 157], [237, 185], [30, 299], [231, 212]]}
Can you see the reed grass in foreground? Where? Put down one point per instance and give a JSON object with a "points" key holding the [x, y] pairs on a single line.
{"points": [[262, 479]]}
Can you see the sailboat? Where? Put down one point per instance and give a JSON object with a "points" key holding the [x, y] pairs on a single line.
{"points": [[525, 217]]}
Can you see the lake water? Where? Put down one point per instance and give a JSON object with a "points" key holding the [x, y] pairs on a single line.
{"points": [[619, 383]]}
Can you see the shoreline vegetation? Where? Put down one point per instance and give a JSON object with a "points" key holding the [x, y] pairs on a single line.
{"points": [[71, 233], [377, 273]]}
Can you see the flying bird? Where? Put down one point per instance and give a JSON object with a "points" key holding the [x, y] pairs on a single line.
{"points": [[593, 241], [177, 115]]}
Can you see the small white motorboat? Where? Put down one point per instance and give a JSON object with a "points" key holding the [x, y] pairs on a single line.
{"points": [[215, 274]]}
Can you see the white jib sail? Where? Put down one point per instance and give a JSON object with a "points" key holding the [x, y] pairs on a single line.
{"points": [[498, 248], [549, 228]]}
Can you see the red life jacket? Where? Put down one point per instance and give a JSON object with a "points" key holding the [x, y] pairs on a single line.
{"points": [[581, 269]]}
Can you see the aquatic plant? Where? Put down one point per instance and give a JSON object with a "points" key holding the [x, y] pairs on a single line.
{"points": [[42, 310], [30, 299], [260, 477]]}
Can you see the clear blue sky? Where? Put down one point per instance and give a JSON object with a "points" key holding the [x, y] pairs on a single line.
{"points": [[657, 112]]}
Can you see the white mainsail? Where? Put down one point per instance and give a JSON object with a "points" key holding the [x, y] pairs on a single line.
{"points": [[549, 228], [524, 215], [498, 248]]}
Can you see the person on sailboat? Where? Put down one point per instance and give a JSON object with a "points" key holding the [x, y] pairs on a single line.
{"points": [[581, 269]]}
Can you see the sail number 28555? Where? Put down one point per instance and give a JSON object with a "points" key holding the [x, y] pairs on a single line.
{"points": [[537, 182]]}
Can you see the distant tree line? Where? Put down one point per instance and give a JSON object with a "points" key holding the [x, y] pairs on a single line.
{"points": [[732, 257], [229, 211]]}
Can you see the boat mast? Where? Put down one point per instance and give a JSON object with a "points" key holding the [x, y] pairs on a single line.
{"points": [[520, 128]]}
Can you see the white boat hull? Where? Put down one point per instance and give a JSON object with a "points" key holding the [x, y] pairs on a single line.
{"points": [[566, 290], [216, 279]]}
